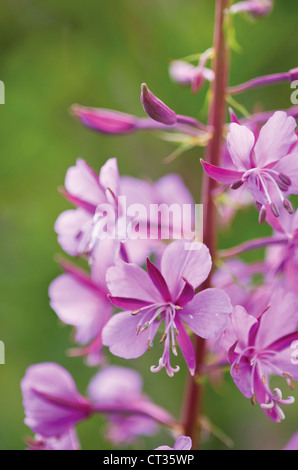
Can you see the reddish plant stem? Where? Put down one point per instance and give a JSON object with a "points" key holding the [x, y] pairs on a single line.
{"points": [[192, 406]]}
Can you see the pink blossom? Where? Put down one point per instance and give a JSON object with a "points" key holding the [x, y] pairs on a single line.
{"points": [[166, 294], [53, 405], [261, 347], [264, 166]]}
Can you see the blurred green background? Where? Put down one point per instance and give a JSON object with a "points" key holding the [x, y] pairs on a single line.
{"points": [[97, 53]]}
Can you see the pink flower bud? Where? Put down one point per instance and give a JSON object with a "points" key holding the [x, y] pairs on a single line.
{"points": [[155, 108], [105, 120]]}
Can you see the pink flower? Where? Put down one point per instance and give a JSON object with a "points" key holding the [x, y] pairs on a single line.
{"points": [[166, 294], [182, 443], [261, 347], [53, 406], [263, 166], [103, 201]]}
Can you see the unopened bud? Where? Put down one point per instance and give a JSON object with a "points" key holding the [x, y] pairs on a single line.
{"points": [[155, 108]]}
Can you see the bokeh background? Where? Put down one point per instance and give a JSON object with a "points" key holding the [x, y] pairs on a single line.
{"points": [[97, 53]]}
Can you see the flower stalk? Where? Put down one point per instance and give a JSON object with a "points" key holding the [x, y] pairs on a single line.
{"points": [[193, 401]]}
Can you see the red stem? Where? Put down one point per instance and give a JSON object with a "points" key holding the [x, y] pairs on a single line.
{"points": [[192, 407]]}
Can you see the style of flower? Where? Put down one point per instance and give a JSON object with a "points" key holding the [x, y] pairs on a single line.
{"points": [[166, 294], [261, 347], [264, 165], [182, 443]]}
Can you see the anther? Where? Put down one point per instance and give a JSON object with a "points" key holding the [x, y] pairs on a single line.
{"points": [[285, 179], [262, 215], [274, 209], [162, 339], [136, 312], [145, 326], [288, 206], [237, 184]]}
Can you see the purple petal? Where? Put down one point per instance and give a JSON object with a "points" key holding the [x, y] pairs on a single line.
{"points": [[120, 335], [131, 281], [208, 314], [186, 346], [240, 142], [183, 443], [158, 280], [80, 305], [82, 181], [185, 259], [186, 295], [220, 174], [73, 228], [275, 139], [109, 176]]}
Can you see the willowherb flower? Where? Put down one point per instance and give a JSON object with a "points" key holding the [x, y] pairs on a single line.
{"points": [[119, 209], [264, 165], [165, 295], [261, 347], [182, 443], [53, 405]]}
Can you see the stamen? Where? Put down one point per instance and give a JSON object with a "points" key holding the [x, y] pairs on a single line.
{"points": [[237, 184], [288, 206], [262, 216], [285, 179], [274, 209], [163, 338]]}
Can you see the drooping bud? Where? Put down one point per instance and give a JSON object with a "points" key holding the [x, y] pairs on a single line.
{"points": [[104, 120], [155, 108]]}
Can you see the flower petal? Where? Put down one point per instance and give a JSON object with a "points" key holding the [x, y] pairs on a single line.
{"points": [[120, 335], [185, 259], [208, 314], [275, 139], [240, 142], [221, 174]]}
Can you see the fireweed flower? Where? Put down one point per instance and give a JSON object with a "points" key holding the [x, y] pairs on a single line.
{"points": [[261, 347], [80, 231], [182, 443], [116, 385], [80, 300], [166, 294], [53, 406], [263, 166]]}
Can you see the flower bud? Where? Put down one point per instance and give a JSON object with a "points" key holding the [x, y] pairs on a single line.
{"points": [[105, 120], [257, 8], [155, 108]]}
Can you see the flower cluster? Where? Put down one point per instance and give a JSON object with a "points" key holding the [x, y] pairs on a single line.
{"points": [[139, 285]]}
